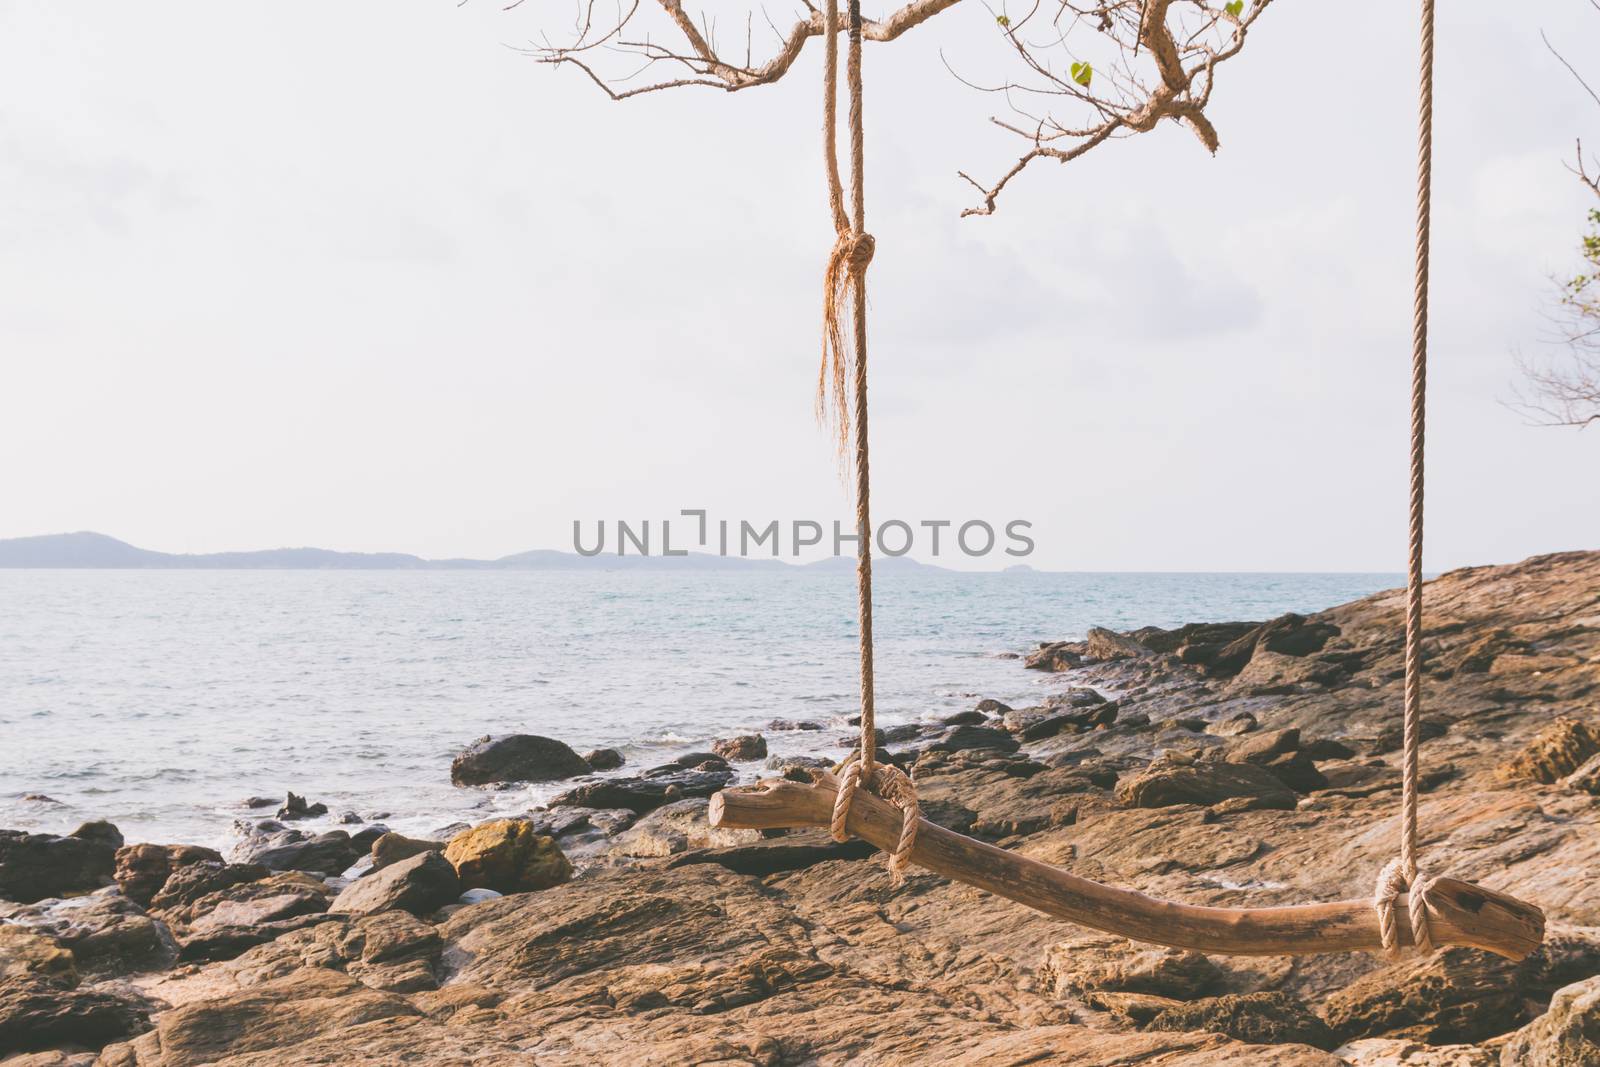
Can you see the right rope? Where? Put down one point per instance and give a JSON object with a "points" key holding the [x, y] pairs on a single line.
{"points": [[1400, 875]]}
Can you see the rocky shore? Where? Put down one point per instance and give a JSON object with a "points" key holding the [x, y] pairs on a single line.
{"points": [[1220, 763]]}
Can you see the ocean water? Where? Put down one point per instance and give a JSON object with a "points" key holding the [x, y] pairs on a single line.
{"points": [[160, 699]]}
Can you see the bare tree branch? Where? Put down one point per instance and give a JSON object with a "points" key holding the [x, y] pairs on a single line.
{"points": [[1157, 62]]}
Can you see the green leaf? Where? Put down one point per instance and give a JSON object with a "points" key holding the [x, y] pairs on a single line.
{"points": [[1235, 9], [1082, 73], [1003, 20]]}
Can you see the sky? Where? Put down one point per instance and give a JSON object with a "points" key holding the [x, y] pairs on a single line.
{"points": [[364, 276]]}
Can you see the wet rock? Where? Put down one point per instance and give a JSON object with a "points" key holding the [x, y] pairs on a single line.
{"points": [[257, 802], [604, 759], [106, 933], [741, 749], [689, 761], [1257, 1018], [349, 818], [1559, 750], [508, 856], [327, 853], [35, 866], [789, 725], [393, 847], [970, 718], [1171, 781], [1117, 965], [419, 885], [676, 828], [515, 758], [141, 870], [40, 1013], [959, 738], [1567, 1035], [786, 764], [295, 807], [642, 795], [1105, 644]]}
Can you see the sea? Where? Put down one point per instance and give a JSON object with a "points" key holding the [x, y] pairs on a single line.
{"points": [[161, 699]]}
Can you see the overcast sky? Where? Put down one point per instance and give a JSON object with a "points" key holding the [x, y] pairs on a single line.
{"points": [[359, 275]]}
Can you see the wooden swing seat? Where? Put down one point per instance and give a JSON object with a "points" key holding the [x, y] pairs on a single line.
{"points": [[1459, 913]]}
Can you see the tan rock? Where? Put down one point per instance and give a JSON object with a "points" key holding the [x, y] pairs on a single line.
{"points": [[1558, 751], [1568, 1035], [508, 856]]}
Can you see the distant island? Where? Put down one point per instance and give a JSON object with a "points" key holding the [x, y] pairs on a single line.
{"points": [[87, 550]]}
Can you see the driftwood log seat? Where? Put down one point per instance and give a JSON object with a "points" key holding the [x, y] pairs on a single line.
{"points": [[1459, 913]]}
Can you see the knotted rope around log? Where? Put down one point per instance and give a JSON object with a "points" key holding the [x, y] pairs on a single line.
{"points": [[1400, 875], [841, 394]]}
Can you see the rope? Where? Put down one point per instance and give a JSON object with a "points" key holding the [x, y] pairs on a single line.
{"points": [[1401, 874], [845, 280]]}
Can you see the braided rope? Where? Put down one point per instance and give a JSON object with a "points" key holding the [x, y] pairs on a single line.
{"points": [[1401, 874], [845, 280], [893, 785]]}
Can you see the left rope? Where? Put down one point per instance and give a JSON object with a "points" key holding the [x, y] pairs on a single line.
{"points": [[845, 282], [1400, 875]]}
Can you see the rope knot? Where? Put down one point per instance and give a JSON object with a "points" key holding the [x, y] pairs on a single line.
{"points": [[1392, 881], [893, 785], [857, 251]]}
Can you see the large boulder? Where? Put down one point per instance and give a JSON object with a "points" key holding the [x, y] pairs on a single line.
{"points": [[743, 748], [508, 856], [1171, 780], [41, 1013], [424, 883], [646, 793], [281, 849], [141, 870], [516, 758], [1559, 750], [1568, 1035], [393, 847], [35, 866], [604, 759]]}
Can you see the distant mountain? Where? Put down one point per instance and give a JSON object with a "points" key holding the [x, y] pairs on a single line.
{"points": [[94, 550]]}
